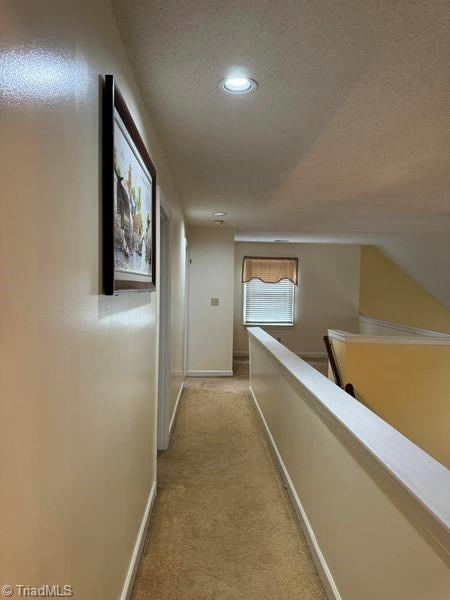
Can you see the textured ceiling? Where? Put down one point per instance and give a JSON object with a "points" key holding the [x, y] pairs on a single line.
{"points": [[347, 136]]}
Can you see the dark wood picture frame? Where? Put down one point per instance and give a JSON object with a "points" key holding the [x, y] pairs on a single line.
{"points": [[119, 280]]}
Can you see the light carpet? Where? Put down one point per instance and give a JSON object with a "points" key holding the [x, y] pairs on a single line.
{"points": [[223, 527]]}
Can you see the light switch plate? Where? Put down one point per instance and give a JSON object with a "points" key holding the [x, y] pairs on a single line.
{"points": [[214, 301]]}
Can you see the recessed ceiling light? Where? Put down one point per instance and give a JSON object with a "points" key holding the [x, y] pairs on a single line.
{"points": [[238, 85], [219, 214], [219, 221]]}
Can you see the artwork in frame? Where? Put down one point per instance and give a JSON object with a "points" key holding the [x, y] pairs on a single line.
{"points": [[129, 200]]}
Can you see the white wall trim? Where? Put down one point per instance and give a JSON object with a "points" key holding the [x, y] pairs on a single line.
{"points": [[357, 338], [319, 559], [210, 373], [163, 315], [186, 307], [138, 546], [174, 414], [404, 328]]}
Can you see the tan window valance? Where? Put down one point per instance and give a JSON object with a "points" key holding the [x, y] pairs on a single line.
{"points": [[269, 270]]}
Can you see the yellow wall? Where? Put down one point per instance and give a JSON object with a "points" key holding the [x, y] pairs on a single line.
{"points": [[388, 294], [408, 386]]}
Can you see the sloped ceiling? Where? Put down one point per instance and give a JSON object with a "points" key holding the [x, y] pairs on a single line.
{"points": [[426, 258], [347, 137]]}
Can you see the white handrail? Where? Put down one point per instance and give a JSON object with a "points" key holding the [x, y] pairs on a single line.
{"points": [[404, 329], [364, 338], [423, 478]]}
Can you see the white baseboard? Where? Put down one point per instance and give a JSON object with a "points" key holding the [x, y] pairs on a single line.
{"points": [[304, 355], [319, 559], [138, 547], [174, 414], [210, 373], [312, 355], [240, 355]]}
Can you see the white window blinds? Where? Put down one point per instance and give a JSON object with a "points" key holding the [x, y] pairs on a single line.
{"points": [[269, 303]]}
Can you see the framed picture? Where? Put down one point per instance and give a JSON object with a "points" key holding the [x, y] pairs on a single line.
{"points": [[129, 200]]}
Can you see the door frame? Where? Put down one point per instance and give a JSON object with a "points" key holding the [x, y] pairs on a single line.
{"points": [[186, 307], [164, 301]]}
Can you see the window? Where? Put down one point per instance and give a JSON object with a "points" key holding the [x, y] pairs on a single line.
{"points": [[269, 303], [269, 290]]}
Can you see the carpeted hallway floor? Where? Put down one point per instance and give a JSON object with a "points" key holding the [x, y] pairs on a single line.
{"points": [[222, 526]]}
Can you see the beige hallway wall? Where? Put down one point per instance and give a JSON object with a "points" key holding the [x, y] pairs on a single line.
{"points": [[326, 297], [77, 369], [210, 328], [356, 480]]}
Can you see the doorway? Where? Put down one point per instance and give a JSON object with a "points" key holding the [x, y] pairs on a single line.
{"points": [[164, 332]]}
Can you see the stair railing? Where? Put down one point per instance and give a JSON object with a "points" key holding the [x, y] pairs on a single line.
{"points": [[348, 387]]}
